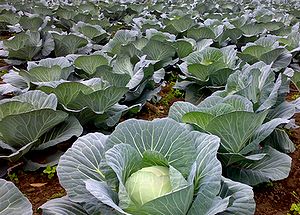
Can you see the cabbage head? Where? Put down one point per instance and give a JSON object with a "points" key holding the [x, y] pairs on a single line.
{"points": [[148, 183]]}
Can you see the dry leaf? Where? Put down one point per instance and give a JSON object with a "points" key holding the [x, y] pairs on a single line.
{"points": [[38, 184]]}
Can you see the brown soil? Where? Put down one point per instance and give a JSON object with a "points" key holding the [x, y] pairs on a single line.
{"points": [[6, 35], [161, 109], [38, 188], [276, 198]]}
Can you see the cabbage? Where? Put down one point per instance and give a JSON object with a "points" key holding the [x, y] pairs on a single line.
{"points": [[148, 183]]}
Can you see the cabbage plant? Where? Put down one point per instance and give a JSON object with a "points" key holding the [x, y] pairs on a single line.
{"points": [[246, 153], [7, 17], [94, 32], [24, 46], [210, 65], [259, 84], [94, 94], [31, 122], [68, 44], [48, 71], [147, 167], [268, 50]]}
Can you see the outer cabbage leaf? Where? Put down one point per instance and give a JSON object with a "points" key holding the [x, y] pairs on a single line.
{"points": [[12, 201]]}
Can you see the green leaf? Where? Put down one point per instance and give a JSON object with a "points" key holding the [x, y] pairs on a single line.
{"points": [[60, 133], [283, 60], [207, 62], [210, 102], [255, 50], [15, 154], [17, 42], [235, 128], [62, 206], [252, 29], [90, 63], [296, 79], [68, 44], [232, 34], [183, 48], [201, 72], [281, 141], [62, 62], [81, 162], [262, 133], [103, 192], [12, 201], [178, 182], [68, 91], [123, 66], [208, 175], [94, 32], [124, 160], [228, 159], [207, 179], [179, 25], [14, 107], [271, 99], [24, 46], [179, 109], [38, 99], [206, 57], [210, 207], [162, 135], [200, 33], [153, 158], [19, 130], [240, 197], [274, 166], [44, 74], [219, 78], [98, 101], [115, 79], [271, 56], [31, 23], [156, 50], [121, 38], [198, 118]]}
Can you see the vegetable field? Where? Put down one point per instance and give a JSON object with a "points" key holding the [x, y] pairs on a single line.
{"points": [[187, 107]]}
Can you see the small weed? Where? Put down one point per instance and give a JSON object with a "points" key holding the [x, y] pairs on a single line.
{"points": [[295, 96], [50, 171], [173, 94], [295, 207], [172, 78], [270, 184], [13, 177], [3, 72], [57, 195], [288, 131], [267, 185]]}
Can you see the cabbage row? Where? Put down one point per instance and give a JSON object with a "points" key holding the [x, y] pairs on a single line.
{"points": [[80, 66]]}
